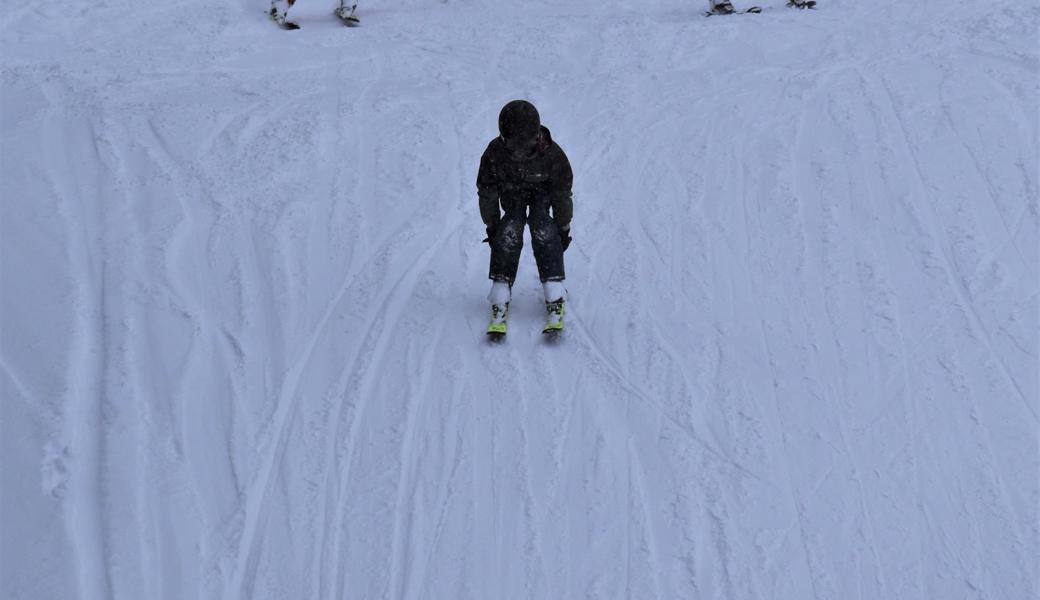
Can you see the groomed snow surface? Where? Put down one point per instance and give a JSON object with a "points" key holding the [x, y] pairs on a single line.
{"points": [[243, 302]]}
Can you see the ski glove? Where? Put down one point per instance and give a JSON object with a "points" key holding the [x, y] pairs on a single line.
{"points": [[565, 237], [490, 239]]}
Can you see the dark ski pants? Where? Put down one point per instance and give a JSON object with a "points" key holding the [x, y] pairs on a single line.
{"points": [[509, 241]]}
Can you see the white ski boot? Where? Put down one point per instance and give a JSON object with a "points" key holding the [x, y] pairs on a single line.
{"points": [[346, 14], [554, 299], [499, 315], [281, 16], [722, 7], [499, 297], [554, 316]]}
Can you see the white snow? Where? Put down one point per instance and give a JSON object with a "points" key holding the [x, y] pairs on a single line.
{"points": [[242, 304]]}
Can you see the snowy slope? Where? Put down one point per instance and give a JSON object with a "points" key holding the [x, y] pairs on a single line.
{"points": [[242, 303]]}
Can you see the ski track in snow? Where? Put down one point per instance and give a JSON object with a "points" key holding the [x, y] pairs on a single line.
{"points": [[243, 316]]}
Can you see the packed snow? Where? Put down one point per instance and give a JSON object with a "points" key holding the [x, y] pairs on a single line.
{"points": [[243, 301]]}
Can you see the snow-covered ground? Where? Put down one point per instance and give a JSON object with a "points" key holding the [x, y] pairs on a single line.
{"points": [[242, 312]]}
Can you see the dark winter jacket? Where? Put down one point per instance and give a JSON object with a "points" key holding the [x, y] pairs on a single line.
{"points": [[513, 184]]}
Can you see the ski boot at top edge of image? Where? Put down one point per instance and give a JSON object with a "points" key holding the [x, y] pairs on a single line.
{"points": [[724, 7], [347, 15]]}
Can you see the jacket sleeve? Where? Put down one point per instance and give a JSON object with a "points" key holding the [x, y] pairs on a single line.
{"points": [[560, 191], [488, 191]]}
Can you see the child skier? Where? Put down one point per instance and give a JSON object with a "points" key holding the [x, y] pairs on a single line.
{"points": [[280, 15], [525, 179]]}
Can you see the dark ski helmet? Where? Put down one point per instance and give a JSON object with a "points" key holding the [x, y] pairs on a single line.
{"points": [[519, 121]]}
